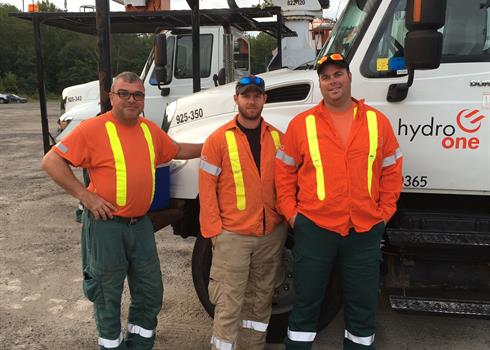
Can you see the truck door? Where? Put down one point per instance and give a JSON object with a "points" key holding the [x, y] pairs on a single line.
{"points": [[179, 72], [443, 125]]}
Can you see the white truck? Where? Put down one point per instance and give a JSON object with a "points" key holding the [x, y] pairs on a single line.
{"points": [[80, 102], [436, 250]]}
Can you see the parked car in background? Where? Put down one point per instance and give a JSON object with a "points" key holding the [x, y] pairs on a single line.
{"points": [[16, 99], [4, 98]]}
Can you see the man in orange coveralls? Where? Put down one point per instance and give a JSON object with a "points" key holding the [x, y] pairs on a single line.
{"points": [[338, 178], [238, 213]]}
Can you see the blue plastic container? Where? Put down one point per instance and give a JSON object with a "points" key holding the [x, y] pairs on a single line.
{"points": [[161, 199]]}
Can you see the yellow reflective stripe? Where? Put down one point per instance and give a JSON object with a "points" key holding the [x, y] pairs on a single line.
{"points": [[373, 145], [315, 155], [276, 138], [237, 170], [355, 112], [151, 151], [119, 162]]}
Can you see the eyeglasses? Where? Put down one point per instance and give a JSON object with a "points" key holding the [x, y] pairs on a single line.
{"points": [[125, 95], [331, 57], [251, 80]]}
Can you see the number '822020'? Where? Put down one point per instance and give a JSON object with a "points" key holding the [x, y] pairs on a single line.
{"points": [[188, 116], [296, 2], [415, 181]]}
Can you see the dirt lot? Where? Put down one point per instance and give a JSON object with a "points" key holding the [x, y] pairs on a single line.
{"points": [[42, 303]]}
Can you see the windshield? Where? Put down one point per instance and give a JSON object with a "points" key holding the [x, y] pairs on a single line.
{"points": [[347, 31]]}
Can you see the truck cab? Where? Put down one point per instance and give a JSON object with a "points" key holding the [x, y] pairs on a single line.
{"points": [[436, 248], [82, 101]]}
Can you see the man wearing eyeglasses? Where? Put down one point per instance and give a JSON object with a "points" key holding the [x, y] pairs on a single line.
{"points": [[238, 212], [338, 178], [120, 149]]}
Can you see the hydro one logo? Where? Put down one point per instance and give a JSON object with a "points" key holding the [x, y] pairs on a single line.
{"points": [[467, 121]]}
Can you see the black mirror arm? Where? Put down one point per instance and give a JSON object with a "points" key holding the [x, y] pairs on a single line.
{"points": [[398, 92]]}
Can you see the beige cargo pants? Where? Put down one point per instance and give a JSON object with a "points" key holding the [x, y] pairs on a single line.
{"points": [[242, 281]]}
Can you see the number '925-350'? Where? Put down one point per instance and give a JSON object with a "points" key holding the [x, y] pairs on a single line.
{"points": [[190, 115]]}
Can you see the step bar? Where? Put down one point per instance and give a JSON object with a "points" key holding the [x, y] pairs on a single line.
{"points": [[468, 308], [404, 237]]}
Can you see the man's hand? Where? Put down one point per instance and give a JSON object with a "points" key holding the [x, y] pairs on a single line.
{"points": [[99, 207], [292, 220]]}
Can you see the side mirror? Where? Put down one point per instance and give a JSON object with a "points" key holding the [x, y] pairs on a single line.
{"points": [[222, 77], [423, 43], [160, 57]]}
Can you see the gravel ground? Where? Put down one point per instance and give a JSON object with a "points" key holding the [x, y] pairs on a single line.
{"points": [[42, 303]]}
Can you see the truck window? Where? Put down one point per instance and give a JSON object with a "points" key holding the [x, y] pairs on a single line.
{"points": [[169, 65], [241, 57], [351, 27], [183, 59], [463, 40]]}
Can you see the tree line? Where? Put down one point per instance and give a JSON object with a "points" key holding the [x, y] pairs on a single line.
{"points": [[71, 58]]}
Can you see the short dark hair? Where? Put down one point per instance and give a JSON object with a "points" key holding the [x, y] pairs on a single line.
{"points": [[129, 77]]}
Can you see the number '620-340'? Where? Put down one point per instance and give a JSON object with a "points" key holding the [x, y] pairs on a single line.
{"points": [[188, 116], [415, 181]]}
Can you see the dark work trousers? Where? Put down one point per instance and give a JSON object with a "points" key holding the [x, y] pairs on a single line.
{"points": [[112, 250], [359, 255]]}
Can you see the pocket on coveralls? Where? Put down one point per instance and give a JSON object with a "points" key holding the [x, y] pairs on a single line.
{"points": [[92, 288]]}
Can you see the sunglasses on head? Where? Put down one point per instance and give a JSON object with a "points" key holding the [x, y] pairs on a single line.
{"points": [[331, 57], [251, 80]]}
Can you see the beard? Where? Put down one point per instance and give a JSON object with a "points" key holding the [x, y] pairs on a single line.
{"points": [[248, 114]]}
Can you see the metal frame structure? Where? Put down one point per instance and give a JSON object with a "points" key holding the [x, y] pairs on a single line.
{"points": [[103, 23]]}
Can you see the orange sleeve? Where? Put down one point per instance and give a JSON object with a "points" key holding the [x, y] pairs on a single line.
{"points": [[210, 168], [391, 181], [288, 159], [74, 147], [167, 149]]}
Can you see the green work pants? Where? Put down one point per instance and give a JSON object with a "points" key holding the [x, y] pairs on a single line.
{"points": [[315, 251], [111, 251]]}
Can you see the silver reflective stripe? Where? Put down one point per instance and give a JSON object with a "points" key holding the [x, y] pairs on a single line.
{"points": [[221, 344], [387, 161], [288, 160], [209, 168], [111, 344], [256, 326], [359, 340], [61, 147], [145, 333], [301, 336]]}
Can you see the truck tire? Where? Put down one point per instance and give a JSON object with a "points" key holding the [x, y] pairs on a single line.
{"points": [[2, 101], [283, 297]]}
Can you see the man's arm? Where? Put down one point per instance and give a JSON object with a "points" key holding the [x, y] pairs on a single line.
{"points": [[189, 150], [286, 176], [209, 172], [59, 170], [391, 181]]}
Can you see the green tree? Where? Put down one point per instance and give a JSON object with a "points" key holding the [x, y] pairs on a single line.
{"points": [[9, 82], [261, 47]]}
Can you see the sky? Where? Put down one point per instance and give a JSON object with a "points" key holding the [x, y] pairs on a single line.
{"points": [[74, 5]]}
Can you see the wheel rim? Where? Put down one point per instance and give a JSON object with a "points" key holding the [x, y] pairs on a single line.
{"points": [[283, 298]]}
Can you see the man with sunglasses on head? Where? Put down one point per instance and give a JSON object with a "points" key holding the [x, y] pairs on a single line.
{"points": [[338, 178], [238, 212], [120, 149]]}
